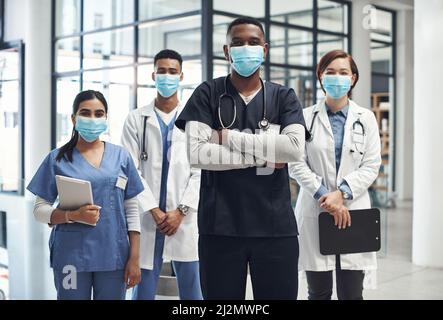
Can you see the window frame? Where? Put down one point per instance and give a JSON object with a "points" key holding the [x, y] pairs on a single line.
{"points": [[20, 46], [135, 64], [392, 75], [2, 20], [208, 13]]}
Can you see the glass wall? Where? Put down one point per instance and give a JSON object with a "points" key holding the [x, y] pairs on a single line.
{"points": [[382, 96], [11, 118], [109, 45], [299, 33]]}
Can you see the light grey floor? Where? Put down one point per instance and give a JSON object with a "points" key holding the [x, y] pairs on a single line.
{"points": [[397, 277]]}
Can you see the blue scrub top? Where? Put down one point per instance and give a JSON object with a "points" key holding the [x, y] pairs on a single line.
{"points": [[104, 247], [240, 202], [166, 131]]}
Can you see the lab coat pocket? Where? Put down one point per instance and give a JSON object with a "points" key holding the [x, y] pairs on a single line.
{"points": [[67, 249], [357, 156]]}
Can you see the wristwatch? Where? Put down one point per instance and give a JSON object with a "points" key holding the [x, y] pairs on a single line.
{"points": [[183, 209], [345, 195]]}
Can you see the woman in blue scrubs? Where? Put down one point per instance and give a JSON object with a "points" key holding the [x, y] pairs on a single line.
{"points": [[103, 258]]}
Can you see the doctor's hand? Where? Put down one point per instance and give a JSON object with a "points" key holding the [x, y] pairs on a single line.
{"points": [[275, 165], [342, 218], [331, 201], [220, 137], [334, 204], [171, 223], [89, 214], [158, 215], [132, 272]]}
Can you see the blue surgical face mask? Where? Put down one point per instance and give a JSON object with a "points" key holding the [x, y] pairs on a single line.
{"points": [[246, 59], [336, 86], [90, 129], [167, 84]]}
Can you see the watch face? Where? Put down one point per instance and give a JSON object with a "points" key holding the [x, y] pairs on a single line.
{"points": [[183, 209]]}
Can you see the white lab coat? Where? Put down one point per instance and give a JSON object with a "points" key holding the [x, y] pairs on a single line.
{"points": [[183, 186], [318, 166]]}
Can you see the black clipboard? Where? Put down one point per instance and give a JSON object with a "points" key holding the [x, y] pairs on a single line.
{"points": [[362, 236]]}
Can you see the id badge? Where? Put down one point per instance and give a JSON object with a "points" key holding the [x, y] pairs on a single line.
{"points": [[121, 182]]}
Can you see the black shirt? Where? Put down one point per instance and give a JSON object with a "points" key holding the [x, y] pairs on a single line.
{"points": [[239, 202]]}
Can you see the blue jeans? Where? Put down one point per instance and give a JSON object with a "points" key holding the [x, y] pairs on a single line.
{"points": [[188, 276]]}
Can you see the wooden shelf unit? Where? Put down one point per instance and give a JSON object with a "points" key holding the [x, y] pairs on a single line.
{"points": [[381, 112]]}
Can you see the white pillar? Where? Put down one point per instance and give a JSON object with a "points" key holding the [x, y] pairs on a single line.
{"points": [[361, 53], [405, 105], [428, 133], [30, 275], [38, 83], [38, 132]]}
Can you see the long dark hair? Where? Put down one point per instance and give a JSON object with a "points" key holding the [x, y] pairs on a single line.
{"points": [[68, 148]]}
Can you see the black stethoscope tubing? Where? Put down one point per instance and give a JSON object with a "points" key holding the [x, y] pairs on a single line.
{"points": [[262, 124], [356, 123], [144, 154]]}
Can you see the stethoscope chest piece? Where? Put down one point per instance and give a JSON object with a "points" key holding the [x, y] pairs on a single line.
{"points": [[263, 124], [143, 156]]}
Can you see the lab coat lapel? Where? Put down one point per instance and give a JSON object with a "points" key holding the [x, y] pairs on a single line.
{"points": [[149, 112], [323, 116], [347, 137], [176, 131]]}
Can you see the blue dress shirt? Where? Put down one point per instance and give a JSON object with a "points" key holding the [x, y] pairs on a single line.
{"points": [[337, 121]]}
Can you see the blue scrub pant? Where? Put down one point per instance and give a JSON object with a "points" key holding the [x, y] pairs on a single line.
{"points": [[187, 273], [105, 285]]}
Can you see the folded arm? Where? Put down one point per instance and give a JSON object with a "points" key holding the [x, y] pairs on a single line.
{"points": [[204, 154], [277, 148]]}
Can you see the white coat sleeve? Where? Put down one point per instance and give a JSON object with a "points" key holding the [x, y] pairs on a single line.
{"points": [[131, 141], [305, 177], [361, 179], [277, 148], [192, 192], [204, 154], [132, 214], [43, 210]]}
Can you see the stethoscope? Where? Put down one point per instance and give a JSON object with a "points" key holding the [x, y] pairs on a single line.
{"points": [[144, 154], [262, 124], [354, 131]]}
